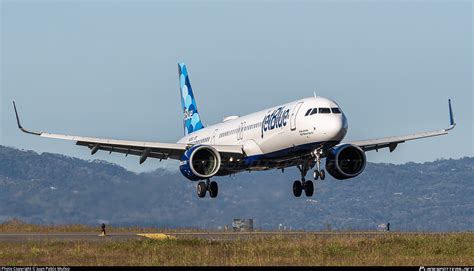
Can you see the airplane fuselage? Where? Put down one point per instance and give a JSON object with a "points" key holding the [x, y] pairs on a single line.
{"points": [[282, 132]]}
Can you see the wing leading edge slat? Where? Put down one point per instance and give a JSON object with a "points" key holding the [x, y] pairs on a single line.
{"points": [[392, 142], [143, 149]]}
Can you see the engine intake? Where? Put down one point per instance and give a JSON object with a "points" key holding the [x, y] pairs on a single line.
{"points": [[345, 161], [200, 162]]}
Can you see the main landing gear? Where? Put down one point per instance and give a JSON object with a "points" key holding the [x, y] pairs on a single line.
{"points": [[307, 186], [299, 186], [203, 187]]}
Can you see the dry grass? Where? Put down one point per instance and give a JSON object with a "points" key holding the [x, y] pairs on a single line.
{"points": [[389, 249], [18, 226]]}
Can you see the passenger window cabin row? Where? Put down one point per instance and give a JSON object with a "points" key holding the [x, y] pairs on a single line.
{"points": [[311, 111], [245, 128], [200, 141], [323, 110]]}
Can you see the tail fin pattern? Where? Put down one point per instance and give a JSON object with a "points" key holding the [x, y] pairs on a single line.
{"points": [[192, 121]]}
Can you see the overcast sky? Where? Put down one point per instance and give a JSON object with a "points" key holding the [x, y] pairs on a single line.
{"points": [[109, 68]]}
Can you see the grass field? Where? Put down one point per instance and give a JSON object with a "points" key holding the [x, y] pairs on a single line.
{"points": [[386, 249], [18, 226]]}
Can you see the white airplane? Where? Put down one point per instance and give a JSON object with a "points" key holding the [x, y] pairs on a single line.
{"points": [[298, 133]]}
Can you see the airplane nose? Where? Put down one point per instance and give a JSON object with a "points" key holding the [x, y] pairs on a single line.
{"points": [[345, 126], [338, 128]]}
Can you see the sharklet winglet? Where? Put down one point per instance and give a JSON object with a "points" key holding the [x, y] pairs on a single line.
{"points": [[19, 123], [452, 122]]}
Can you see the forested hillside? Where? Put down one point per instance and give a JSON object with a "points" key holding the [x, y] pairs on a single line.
{"points": [[55, 189]]}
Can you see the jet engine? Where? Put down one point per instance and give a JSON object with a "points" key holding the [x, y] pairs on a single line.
{"points": [[345, 161], [200, 162]]}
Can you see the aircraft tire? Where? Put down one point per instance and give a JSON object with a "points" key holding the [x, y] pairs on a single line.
{"points": [[316, 175], [308, 188], [213, 189], [201, 189], [297, 188]]}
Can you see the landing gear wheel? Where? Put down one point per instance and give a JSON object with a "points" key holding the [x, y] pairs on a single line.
{"points": [[316, 175], [297, 188], [308, 188], [322, 174], [201, 189], [213, 189]]}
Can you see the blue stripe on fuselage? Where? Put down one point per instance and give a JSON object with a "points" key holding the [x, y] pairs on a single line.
{"points": [[295, 151]]}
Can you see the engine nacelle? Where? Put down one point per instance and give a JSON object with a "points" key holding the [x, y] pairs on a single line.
{"points": [[200, 162], [345, 161]]}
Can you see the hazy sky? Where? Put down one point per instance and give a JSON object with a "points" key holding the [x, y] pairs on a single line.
{"points": [[109, 68]]}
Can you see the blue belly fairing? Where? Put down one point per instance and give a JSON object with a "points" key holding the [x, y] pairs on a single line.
{"points": [[287, 157]]}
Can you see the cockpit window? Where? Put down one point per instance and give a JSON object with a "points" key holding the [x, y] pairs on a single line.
{"points": [[324, 110], [336, 110], [315, 110], [307, 112]]}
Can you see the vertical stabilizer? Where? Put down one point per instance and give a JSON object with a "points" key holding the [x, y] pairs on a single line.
{"points": [[191, 120]]}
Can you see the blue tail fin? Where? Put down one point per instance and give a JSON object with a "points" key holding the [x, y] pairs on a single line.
{"points": [[192, 121]]}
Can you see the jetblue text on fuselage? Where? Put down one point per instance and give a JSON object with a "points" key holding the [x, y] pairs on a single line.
{"points": [[277, 119]]}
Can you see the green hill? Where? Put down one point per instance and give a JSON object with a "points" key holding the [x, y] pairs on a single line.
{"points": [[55, 189]]}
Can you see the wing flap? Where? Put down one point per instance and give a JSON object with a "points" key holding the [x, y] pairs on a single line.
{"points": [[140, 148], [158, 153], [392, 142]]}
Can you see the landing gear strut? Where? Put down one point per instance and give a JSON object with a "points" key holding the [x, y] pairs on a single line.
{"points": [[203, 187], [318, 173], [299, 186]]}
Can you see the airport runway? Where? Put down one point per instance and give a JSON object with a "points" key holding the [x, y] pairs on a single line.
{"points": [[22, 237]]}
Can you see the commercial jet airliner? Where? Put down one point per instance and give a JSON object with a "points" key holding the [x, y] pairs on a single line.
{"points": [[298, 133]]}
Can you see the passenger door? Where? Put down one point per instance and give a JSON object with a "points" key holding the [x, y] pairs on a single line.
{"points": [[240, 133], [293, 115], [213, 137]]}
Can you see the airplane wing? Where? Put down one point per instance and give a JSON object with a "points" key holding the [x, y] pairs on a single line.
{"points": [[140, 148], [392, 142]]}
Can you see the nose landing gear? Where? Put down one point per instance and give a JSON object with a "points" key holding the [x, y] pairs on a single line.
{"points": [[318, 173]]}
